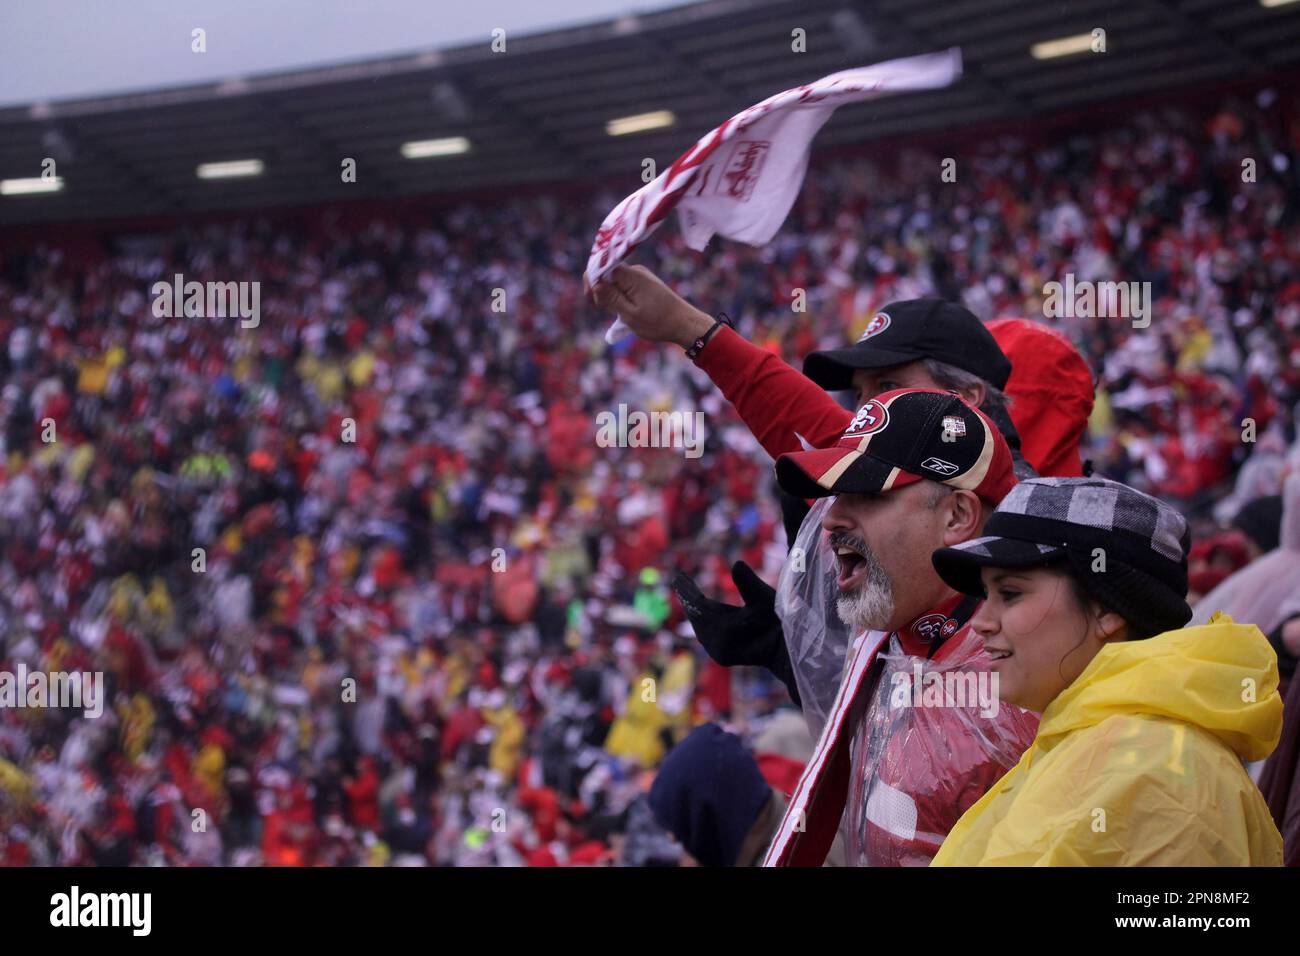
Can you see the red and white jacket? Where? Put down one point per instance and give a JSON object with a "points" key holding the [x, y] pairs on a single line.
{"points": [[896, 766]]}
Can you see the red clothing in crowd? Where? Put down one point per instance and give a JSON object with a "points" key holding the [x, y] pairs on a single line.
{"points": [[1051, 390], [363, 798]]}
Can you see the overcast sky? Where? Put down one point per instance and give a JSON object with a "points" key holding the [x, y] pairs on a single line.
{"points": [[61, 49]]}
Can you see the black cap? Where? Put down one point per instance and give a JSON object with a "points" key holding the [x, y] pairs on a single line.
{"points": [[910, 330]]}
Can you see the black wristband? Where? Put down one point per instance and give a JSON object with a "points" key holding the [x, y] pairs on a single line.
{"points": [[703, 340]]}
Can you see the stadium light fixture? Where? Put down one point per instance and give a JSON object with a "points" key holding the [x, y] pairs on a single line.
{"points": [[640, 123], [426, 148], [231, 169], [1065, 46], [27, 187], [1275, 3]]}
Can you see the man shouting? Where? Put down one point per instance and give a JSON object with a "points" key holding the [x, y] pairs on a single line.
{"points": [[915, 734]]}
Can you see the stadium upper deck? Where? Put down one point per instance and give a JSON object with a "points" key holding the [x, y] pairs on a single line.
{"points": [[536, 111]]}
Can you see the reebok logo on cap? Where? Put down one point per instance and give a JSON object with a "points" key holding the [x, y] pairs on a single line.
{"points": [[945, 468]]}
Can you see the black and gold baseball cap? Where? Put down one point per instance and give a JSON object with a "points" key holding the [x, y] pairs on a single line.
{"points": [[900, 437]]}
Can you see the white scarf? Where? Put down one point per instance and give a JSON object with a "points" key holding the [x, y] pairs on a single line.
{"points": [[740, 180]]}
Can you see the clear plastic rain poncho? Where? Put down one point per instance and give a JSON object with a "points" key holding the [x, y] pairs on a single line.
{"points": [[915, 769], [933, 739], [816, 638]]}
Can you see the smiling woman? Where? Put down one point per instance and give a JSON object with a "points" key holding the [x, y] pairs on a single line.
{"points": [[1041, 629], [1084, 583]]}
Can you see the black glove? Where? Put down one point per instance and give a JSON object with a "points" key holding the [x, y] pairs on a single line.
{"points": [[733, 636]]}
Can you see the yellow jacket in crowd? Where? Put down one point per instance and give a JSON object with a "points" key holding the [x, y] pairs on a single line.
{"points": [[1139, 762], [507, 749], [653, 707], [15, 783], [636, 733]]}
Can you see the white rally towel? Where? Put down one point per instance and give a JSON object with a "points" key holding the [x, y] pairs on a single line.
{"points": [[740, 180]]}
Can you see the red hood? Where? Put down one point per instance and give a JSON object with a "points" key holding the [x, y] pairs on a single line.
{"points": [[1052, 392]]}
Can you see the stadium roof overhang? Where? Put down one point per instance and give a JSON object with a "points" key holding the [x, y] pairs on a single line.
{"points": [[537, 112]]}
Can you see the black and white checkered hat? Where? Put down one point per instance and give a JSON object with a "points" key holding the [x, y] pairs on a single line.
{"points": [[1142, 544]]}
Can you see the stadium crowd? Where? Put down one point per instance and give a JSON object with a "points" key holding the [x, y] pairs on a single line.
{"points": [[365, 589]]}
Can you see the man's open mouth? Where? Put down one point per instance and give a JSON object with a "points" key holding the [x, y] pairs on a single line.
{"points": [[853, 567]]}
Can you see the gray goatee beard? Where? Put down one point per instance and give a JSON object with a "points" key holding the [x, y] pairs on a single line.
{"points": [[869, 606]]}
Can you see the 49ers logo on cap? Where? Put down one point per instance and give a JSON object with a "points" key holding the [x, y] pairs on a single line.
{"points": [[879, 322], [871, 417]]}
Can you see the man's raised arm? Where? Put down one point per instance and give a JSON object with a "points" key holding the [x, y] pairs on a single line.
{"points": [[776, 402]]}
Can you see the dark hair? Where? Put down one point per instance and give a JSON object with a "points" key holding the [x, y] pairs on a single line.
{"points": [[1085, 600], [1084, 603]]}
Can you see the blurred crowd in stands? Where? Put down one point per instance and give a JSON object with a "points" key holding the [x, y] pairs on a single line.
{"points": [[366, 591]]}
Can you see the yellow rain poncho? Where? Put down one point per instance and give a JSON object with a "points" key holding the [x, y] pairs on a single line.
{"points": [[507, 748], [637, 732], [15, 783], [1138, 762]]}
